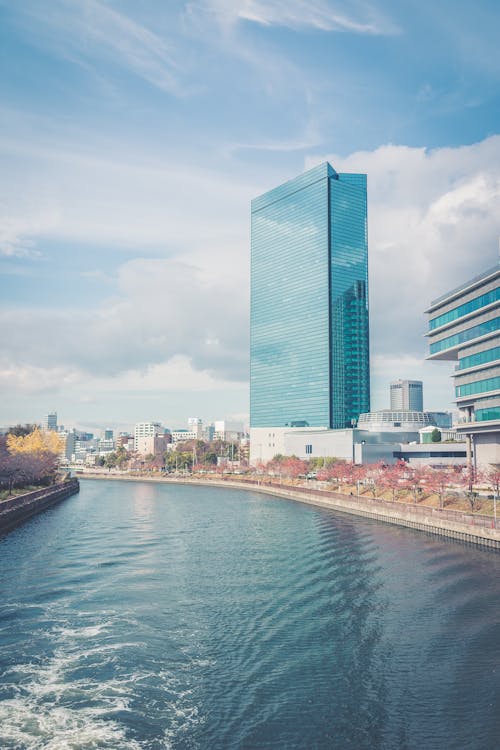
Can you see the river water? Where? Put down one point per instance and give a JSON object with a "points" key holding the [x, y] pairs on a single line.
{"points": [[150, 616]]}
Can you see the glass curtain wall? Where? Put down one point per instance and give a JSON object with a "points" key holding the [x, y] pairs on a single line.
{"points": [[309, 302]]}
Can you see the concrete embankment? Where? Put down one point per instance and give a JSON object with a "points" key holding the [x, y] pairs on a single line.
{"points": [[467, 527], [16, 510]]}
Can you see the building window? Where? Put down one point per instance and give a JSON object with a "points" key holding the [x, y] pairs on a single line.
{"points": [[309, 449]]}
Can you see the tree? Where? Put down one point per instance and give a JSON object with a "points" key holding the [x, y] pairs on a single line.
{"points": [[21, 469], [413, 480], [374, 477], [393, 477], [21, 430], [492, 478], [35, 441], [292, 467], [438, 480], [436, 435], [469, 477], [110, 460]]}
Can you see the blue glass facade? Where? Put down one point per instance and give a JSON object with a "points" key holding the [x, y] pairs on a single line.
{"points": [[479, 386], [309, 302], [471, 306], [486, 415], [480, 358], [470, 333]]}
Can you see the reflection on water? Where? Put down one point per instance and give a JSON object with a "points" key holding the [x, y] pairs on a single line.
{"points": [[145, 616]]}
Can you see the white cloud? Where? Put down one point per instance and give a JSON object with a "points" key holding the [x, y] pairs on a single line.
{"points": [[89, 30], [129, 199], [434, 222], [164, 309], [17, 231], [298, 14]]}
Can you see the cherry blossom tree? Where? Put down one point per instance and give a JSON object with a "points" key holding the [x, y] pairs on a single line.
{"points": [[393, 477], [438, 481], [492, 478]]}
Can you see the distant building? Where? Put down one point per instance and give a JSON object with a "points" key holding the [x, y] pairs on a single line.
{"points": [[441, 419], [145, 430], [108, 435], [407, 395], [464, 326], [181, 435], [195, 425], [49, 422], [208, 432], [228, 431], [124, 440], [153, 445], [68, 444]]}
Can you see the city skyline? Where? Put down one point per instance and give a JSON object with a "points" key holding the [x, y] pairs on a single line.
{"points": [[132, 141]]}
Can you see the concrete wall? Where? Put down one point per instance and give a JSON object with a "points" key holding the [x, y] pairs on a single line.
{"points": [[18, 509], [267, 442], [487, 449]]}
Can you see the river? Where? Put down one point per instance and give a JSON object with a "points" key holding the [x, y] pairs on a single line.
{"points": [[139, 615]]}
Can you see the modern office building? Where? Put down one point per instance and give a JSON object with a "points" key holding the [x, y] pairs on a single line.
{"points": [[407, 395], [464, 325], [49, 422], [309, 345]]}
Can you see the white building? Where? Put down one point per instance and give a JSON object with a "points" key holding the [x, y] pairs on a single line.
{"points": [[195, 425], [359, 446], [180, 436], [407, 395], [228, 431], [145, 430]]}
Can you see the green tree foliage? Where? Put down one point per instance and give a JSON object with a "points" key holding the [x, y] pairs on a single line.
{"points": [[436, 435]]}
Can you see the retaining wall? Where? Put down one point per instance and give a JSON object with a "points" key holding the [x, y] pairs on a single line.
{"points": [[16, 510]]}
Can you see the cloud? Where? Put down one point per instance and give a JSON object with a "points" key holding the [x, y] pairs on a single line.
{"points": [[16, 231], [307, 140], [297, 14], [164, 309], [89, 30], [132, 198], [434, 222]]}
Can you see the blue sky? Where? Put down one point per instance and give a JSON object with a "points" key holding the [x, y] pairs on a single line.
{"points": [[132, 139]]}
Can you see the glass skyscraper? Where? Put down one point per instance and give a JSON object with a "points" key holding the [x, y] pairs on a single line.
{"points": [[309, 302]]}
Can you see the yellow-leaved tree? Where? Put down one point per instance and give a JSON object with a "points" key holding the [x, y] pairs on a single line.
{"points": [[36, 442]]}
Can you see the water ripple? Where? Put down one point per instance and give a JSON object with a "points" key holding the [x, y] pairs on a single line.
{"points": [[140, 616]]}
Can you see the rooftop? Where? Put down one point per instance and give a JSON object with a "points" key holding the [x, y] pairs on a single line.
{"points": [[466, 286]]}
